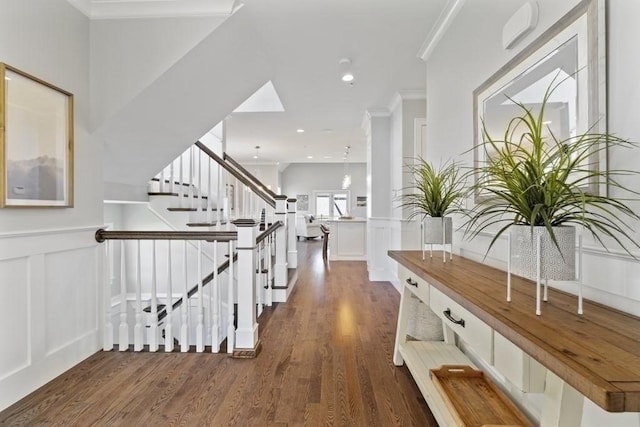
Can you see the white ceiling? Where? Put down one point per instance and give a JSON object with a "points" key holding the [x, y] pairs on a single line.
{"points": [[305, 40]]}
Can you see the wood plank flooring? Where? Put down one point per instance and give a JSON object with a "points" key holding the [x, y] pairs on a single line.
{"points": [[325, 360]]}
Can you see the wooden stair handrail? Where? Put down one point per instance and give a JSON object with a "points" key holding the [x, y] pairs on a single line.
{"points": [[210, 236], [248, 174], [270, 230], [262, 193]]}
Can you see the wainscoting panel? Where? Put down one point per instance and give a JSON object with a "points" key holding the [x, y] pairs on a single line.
{"points": [[49, 297], [71, 300], [14, 333]]}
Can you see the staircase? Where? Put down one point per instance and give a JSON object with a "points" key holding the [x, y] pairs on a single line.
{"points": [[224, 241]]}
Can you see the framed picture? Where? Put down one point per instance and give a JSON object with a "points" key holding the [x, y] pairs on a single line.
{"points": [[303, 202], [361, 201], [36, 142]]}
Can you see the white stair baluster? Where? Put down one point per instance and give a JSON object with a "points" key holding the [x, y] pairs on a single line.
{"points": [[191, 181], [172, 180], [219, 203], [209, 310], [201, 206], [138, 338], [123, 335], [153, 318], [231, 332], [107, 344], [162, 178], [181, 183], [209, 192], [184, 327], [215, 295], [168, 329], [200, 326]]}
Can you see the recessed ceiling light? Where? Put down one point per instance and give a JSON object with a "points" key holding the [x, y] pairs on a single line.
{"points": [[300, 130], [347, 77], [345, 66], [309, 157]]}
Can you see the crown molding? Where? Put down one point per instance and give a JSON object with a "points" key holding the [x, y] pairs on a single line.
{"points": [[126, 9], [448, 14], [406, 95]]}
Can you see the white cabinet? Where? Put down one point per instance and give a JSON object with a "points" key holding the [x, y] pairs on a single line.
{"points": [[468, 327], [517, 366]]}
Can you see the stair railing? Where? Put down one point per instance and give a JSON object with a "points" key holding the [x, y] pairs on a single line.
{"points": [[160, 268]]}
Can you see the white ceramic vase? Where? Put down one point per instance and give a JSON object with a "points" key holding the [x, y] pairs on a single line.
{"points": [[433, 233], [554, 264]]}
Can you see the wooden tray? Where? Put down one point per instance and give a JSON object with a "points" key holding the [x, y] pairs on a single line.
{"points": [[474, 400]]}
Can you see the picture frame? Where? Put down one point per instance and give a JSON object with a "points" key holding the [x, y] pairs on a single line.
{"points": [[36, 142]]}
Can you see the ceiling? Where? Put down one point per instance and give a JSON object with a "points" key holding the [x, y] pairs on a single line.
{"points": [[305, 41]]}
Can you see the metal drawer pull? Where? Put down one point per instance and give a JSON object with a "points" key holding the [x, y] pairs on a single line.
{"points": [[447, 314], [412, 283]]}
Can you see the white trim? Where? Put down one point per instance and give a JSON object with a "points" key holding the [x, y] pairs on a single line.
{"points": [[126, 9], [448, 14], [30, 233]]}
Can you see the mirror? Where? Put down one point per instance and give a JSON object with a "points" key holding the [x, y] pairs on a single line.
{"points": [[571, 52]]}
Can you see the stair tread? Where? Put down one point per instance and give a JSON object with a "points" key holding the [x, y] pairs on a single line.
{"points": [[161, 193], [204, 224]]}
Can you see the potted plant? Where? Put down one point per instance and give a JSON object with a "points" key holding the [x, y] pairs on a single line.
{"points": [[535, 184], [434, 194]]}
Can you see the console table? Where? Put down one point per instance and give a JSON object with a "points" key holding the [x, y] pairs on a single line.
{"points": [[560, 353]]}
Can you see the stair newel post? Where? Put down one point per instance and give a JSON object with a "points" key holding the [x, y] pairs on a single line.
{"points": [[258, 254], [268, 291], [247, 330], [200, 325], [184, 310], [281, 267], [168, 329], [231, 332], [123, 335], [215, 295], [153, 327], [138, 338], [107, 344], [292, 251]]}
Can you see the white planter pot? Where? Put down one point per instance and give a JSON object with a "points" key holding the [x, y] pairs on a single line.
{"points": [[554, 264], [433, 230]]}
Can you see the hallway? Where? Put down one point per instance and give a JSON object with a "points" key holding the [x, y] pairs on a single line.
{"points": [[325, 360]]}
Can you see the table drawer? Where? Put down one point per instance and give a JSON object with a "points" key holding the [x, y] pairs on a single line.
{"points": [[468, 327], [414, 283]]}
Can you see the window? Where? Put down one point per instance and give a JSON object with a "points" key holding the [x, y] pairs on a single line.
{"points": [[330, 204]]}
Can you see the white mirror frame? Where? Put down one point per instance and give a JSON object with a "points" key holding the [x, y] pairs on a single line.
{"points": [[587, 22]]}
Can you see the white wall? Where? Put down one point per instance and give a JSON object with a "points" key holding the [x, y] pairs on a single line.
{"points": [[49, 259], [304, 178], [141, 50], [268, 174], [610, 278]]}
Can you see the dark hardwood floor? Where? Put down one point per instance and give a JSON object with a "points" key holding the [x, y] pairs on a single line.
{"points": [[325, 360]]}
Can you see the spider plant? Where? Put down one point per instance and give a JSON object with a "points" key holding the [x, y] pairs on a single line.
{"points": [[435, 192], [533, 178]]}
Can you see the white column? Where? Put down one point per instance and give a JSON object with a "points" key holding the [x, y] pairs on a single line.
{"points": [[292, 249], [247, 330], [281, 268]]}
